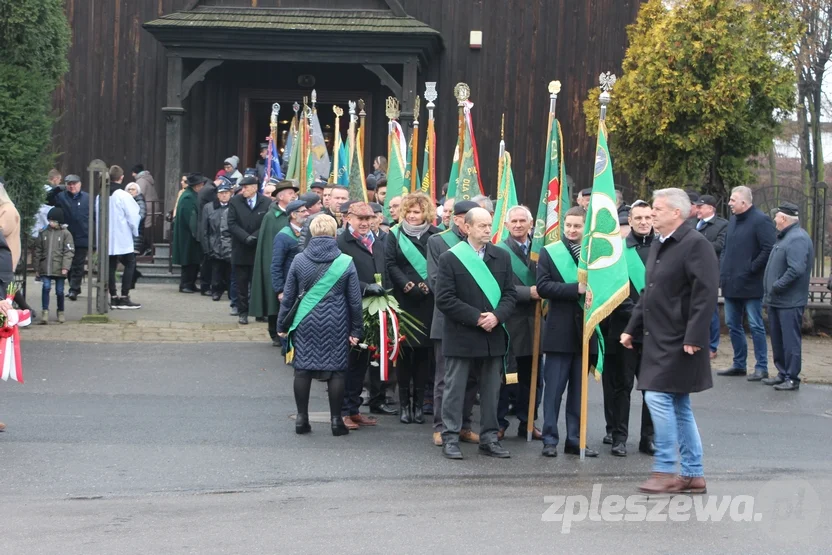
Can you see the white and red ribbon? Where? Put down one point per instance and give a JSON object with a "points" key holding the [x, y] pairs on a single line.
{"points": [[383, 347], [10, 344]]}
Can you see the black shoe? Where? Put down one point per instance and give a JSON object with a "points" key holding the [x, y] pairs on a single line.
{"points": [[418, 401], [776, 380], [732, 372], [788, 385], [126, 304], [216, 297], [276, 342], [608, 439], [115, 303], [186, 290], [577, 451], [494, 449], [405, 414], [73, 296], [206, 293], [427, 409], [757, 376], [384, 409], [619, 450], [260, 319], [451, 451], [302, 424], [338, 426], [550, 451], [243, 319], [234, 311], [647, 447]]}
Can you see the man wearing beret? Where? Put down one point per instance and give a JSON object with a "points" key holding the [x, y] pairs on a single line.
{"points": [[245, 216], [714, 229], [786, 282], [263, 300]]}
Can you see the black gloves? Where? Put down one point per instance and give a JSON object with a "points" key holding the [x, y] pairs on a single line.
{"points": [[374, 290], [251, 240]]}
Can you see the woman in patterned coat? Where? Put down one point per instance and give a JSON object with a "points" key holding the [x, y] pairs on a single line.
{"points": [[322, 340]]}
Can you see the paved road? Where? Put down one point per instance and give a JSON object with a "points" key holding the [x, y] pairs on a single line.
{"points": [[189, 449]]}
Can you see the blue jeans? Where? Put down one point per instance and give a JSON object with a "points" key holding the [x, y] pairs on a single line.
{"points": [[47, 287], [715, 330], [674, 427], [734, 309]]}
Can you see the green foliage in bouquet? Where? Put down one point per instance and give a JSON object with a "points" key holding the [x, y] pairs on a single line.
{"points": [[408, 325]]}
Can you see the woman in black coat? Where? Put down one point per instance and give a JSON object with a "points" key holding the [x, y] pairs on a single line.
{"points": [[322, 339], [406, 259]]}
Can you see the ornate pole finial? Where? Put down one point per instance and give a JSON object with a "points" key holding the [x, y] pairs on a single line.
{"points": [[392, 110], [503, 126], [361, 111], [607, 81], [417, 104], [462, 92], [296, 108], [352, 105], [554, 90], [275, 113], [430, 94], [314, 97], [339, 112]]}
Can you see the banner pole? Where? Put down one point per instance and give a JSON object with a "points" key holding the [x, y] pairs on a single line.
{"points": [[584, 395], [538, 315]]}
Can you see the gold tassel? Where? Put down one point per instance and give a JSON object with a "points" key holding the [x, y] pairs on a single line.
{"points": [[511, 378]]}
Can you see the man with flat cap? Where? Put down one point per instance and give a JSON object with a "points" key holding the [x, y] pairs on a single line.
{"points": [[245, 216], [264, 302], [714, 229], [261, 163], [367, 254], [187, 250], [437, 246], [786, 282]]}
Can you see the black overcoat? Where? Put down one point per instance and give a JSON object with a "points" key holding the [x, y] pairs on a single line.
{"points": [[674, 310], [367, 263], [521, 323], [462, 302], [244, 222]]}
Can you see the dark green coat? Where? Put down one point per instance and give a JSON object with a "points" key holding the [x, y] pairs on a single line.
{"points": [[186, 247], [263, 298]]}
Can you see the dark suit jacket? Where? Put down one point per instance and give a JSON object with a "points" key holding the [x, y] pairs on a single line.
{"points": [[436, 248], [462, 302], [244, 222], [563, 332], [367, 263], [521, 323], [614, 326], [715, 231]]}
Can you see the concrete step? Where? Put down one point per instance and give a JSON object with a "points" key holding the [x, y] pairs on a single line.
{"points": [[158, 277], [161, 250], [156, 268]]}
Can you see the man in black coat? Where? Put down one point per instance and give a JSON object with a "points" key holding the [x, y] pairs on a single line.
{"points": [[475, 292], [621, 366], [245, 214], [748, 243], [557, 281], [437, 246], [207, 195], [673, 314], [520, 325], [367, 254], [714, 229]]}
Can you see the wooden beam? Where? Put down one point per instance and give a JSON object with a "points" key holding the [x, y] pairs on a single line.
{"points": [[396, 8], [286, 56], [173, 131], [191, 5], [198, 75], [386, 79], [409, 93]]}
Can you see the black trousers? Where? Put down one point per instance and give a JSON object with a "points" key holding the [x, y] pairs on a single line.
{"points": [[220, 277], [76, 270], [414, 365], [243, 274], [129, 263], [359, 364], [187, 280], [620, 370], [205, 274], [521, 391], [786, 341]]}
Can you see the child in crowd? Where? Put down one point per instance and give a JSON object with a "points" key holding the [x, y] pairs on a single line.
{"points": [[52, 259]]}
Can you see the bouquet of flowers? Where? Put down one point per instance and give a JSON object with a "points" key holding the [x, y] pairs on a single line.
{"points": [[10, 338], [386, 327]]}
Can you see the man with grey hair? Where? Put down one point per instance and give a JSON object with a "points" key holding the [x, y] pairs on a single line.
{"points": [[748, 242], [786, 282], [484, 202], [673, 316]]}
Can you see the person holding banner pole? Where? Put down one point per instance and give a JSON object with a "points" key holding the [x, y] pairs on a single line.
{"points": [[406, 259]]}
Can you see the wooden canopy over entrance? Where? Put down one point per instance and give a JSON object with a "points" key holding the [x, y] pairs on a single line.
{"points": [[212, 35]]}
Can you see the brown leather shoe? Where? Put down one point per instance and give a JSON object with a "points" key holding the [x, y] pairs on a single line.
{"points": [[2, 426], [437, 439], [501, 433], [660, 482], [689, 484], [363, 420], [468, 436], [349, 423], [537, 435]]}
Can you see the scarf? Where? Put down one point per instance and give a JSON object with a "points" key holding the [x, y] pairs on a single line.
{"points": [[575, 249], [414, 230]]}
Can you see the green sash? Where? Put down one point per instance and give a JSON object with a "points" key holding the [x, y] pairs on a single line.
{"points": [[411, 253], [636, 269], [318, 291], [520, 269], [442, 227], [451, 239], [287, 230]]}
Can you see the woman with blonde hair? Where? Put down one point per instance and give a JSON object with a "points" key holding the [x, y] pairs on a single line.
{"points": [[406, 256], [10, 223], [321, 317]]}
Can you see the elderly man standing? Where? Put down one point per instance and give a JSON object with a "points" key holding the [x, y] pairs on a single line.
{"points": [[673, 315], [187, 251], [786, 282], [75, 204], [748, 243], [475, 291]]}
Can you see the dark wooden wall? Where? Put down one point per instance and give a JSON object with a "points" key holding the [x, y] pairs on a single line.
{"points": [[110, 102]]}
